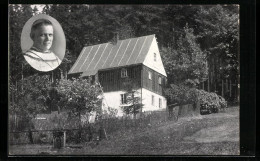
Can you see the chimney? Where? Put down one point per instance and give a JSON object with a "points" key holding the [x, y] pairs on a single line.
{"points": [[115, 38]]}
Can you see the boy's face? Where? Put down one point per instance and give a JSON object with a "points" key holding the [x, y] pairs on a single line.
{"points": [[43, 37]]}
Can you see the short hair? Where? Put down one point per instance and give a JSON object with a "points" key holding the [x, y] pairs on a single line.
{"points": [[38, 23]]}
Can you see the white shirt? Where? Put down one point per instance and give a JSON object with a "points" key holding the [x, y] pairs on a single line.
{"points": [[42, 61]]}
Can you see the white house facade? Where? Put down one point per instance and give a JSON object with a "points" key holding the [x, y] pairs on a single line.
{"points": [[135, 59]]}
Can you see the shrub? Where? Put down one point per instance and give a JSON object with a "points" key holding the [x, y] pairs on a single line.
{"points": [[212, 99], [181, 94]]}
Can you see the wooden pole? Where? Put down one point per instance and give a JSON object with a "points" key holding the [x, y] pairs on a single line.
{"points": [[64, 138], [105, 133], [230, 88], [226, 85], [222, 89]]}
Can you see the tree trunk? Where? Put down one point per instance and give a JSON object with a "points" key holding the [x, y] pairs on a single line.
{"points": [[226, 85], [230, 88], [215, 86], [222, 88], [208, 85], [65, 73]]}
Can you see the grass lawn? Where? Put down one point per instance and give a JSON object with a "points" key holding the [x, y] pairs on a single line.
{"points": [[214, 134]]}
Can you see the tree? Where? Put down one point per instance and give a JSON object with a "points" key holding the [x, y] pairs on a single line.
{"points": [[28, 98], [219, 37], [31, 99], [186, 63], [133, 100], [18, 15], [180, 94], [79, 96]]}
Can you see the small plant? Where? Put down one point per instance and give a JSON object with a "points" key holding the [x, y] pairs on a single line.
{"points": [[133, 103], [109, 113]]}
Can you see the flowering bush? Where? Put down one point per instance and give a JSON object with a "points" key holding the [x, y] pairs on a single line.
{"points": [[212, 99], [185, 95]]}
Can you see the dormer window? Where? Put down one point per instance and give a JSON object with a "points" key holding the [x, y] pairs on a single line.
{"points": [[154, 56], [124, 73]]}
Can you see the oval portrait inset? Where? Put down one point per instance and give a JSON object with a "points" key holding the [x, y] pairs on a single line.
{"points": [[43, 42]]}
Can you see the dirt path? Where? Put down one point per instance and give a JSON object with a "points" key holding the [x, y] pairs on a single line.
{"points": [[228, 131], [220, 133]]}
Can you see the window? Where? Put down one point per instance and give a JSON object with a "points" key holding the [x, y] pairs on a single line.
{"points": [[150, 75], [123, 73], [160, 103], [152, 99], [123, 99], [154, 56], [160, 80]]}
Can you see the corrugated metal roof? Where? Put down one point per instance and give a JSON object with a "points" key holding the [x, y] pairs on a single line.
{"points": [[107, 55]]}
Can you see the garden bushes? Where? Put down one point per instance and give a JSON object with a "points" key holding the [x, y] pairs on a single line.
{"points": [[182, 95]]}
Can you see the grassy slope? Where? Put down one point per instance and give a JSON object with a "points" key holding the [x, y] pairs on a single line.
{"points": [[215, 134]]}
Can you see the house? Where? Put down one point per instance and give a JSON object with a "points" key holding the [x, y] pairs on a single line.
{"points": [[110, 64]]}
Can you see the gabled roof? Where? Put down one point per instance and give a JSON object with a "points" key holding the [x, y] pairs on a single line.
{"points": [[104, 56]]}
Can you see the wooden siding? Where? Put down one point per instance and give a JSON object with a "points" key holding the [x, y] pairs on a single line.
{"points": [[153, 84], [111, 79]]}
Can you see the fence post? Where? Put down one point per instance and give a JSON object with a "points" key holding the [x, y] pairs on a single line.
{"points": [[64, 138]]}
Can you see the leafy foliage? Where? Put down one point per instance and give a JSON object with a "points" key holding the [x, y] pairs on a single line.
{"points": [[184, 95], [179, 94], [218, 36], [30, 95], [79, 95], [186, 63], [133, 100], [211, 98]]}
